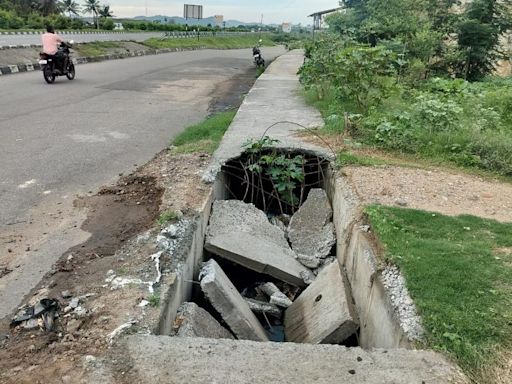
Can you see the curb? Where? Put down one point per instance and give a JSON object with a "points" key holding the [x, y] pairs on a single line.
{"points": [[61, 32], [30, 66]]}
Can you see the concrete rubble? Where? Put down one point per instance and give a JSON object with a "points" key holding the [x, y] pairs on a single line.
{"points": [[324, 312], [276, 296], [242, 234], [225, 298], [263, 307], [194, 321], [311, 231]]}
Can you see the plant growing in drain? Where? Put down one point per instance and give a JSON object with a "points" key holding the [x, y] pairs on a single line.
{"points": [[284, 172]]}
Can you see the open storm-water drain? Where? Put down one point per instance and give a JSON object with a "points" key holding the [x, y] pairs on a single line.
{"points": [[270, 271]]}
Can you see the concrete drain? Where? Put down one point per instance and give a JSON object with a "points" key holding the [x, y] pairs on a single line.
{"points": [[270, 270], [300, 270]]}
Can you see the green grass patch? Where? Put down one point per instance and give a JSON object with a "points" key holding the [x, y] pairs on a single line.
{"points": [[222, 42], [98, 48], [205, 136], [459, 273], [154, 300], [168, 216]]}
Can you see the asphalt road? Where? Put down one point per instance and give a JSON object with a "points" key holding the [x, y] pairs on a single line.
{"points": [[65, 139], [6, 40]]}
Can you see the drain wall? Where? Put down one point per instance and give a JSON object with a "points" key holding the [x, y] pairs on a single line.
{"points": [[379, 327]]}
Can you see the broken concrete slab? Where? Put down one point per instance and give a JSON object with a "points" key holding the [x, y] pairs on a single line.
{"points": [[194, 321], [311, 231], [161, 359], [230, 304], [242, 233], [324, 312]]}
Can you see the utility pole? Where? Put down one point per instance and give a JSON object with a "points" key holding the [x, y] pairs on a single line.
{"points": [[261, 25]]}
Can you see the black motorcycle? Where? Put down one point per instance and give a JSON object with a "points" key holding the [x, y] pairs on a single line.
{"points": [[258, 59], [52, 67]]}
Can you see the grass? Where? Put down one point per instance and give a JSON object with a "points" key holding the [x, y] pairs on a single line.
{"points": [[459, 272], [154, 300], [222, 42], [168, 216], [205, 136], [97, 48], [345, 158]]}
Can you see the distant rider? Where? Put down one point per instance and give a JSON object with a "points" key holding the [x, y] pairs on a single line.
{"points": [[51, 43]]}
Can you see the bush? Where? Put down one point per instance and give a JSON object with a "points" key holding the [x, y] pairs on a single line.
{"points": [[9, 20], [35, 21], [107, 24]]}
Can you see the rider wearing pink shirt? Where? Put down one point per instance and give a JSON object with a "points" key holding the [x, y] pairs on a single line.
{"points": [[51, 42]]}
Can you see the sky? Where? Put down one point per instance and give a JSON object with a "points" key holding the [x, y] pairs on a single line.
{"points": [[274, 11]]}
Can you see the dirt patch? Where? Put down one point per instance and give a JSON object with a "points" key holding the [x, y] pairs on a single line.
{"points": [[117, 218], [433, 190], [229, 94], [421, 186], [115, 214]]}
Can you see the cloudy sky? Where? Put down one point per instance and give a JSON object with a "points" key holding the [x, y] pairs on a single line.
{"points": [[274, 11]]}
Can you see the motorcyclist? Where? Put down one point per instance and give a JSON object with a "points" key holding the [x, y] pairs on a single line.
{"points": [[51, 43], [256, 50]]}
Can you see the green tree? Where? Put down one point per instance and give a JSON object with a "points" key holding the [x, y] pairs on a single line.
{"points": [[485, 21], [71, 7], [48, 7], [93, 7], [105, 12]]}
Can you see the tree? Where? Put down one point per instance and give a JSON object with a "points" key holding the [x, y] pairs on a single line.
{"points": [[105, 12], [48, 7], [93, 6], [485, 21], [71, 7]]}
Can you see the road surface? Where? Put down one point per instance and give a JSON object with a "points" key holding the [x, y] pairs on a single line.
{"points": [[69, 138]]}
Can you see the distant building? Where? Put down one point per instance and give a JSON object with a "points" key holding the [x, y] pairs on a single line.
{"points": [[286, 27], [118, 26], [219, 20]]}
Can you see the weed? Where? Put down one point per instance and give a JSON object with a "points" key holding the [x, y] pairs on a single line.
{"points": [[154, 300], [168, 216], [205, 136]]}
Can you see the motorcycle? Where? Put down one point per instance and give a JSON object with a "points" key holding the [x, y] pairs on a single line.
{"points": [[258, 59], [51, 67]]}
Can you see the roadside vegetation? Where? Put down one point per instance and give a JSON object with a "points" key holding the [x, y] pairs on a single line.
{"points": [[222, 42], [459, 273], [416, 81], [97, 48], [205, 136], [409, 86]]}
